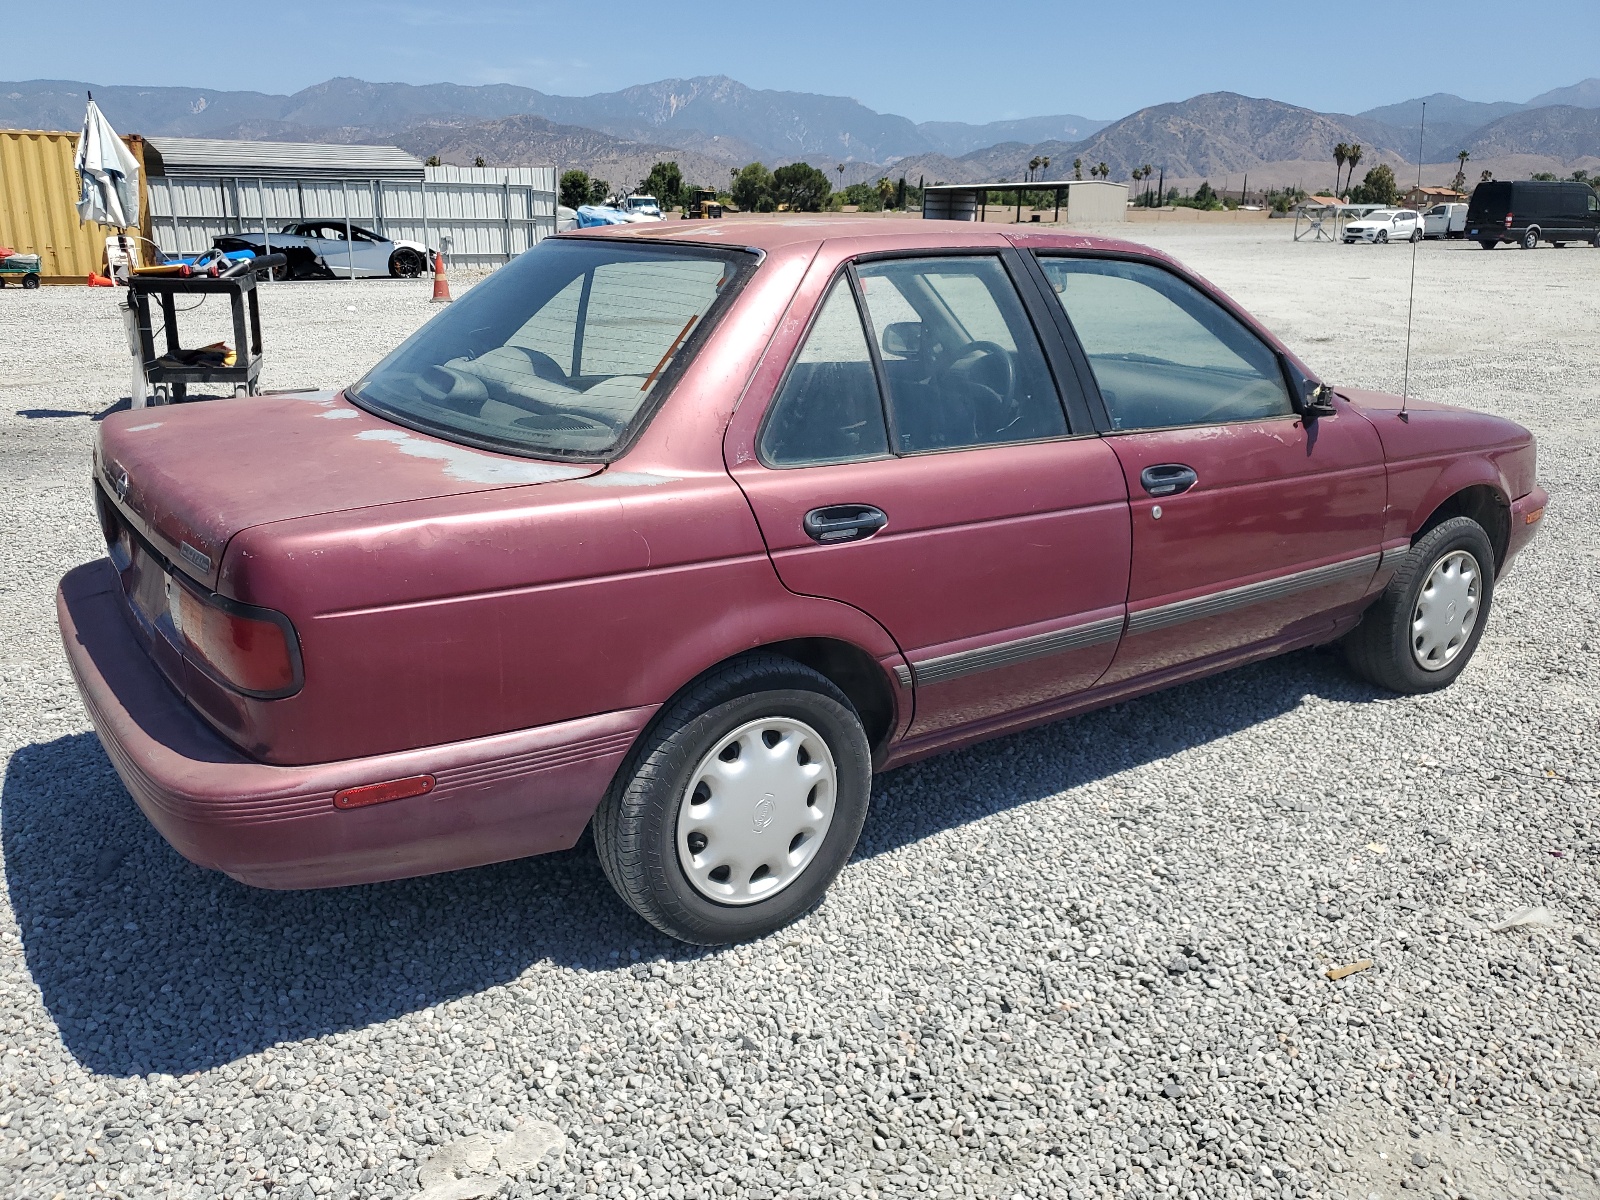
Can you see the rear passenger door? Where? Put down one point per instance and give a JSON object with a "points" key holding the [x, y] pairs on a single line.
{"points": [[916, 462], [1249, 525]]}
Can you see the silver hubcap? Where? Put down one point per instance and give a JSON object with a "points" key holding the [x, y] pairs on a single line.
{"points": [[1447, 609], [756, 810]]}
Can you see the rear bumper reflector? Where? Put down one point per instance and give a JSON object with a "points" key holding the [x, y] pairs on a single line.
{"points": [[378, 793]]}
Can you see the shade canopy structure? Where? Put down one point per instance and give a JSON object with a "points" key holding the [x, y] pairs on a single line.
{"points": [[108, 174]]}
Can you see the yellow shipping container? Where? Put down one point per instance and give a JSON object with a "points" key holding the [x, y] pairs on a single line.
{"points": [[38, 204]]}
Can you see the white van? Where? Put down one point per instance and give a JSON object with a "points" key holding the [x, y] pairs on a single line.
{"points": [[1445, 221]]}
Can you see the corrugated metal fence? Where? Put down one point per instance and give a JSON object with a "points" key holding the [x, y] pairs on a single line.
{"points": [[480, 216]]}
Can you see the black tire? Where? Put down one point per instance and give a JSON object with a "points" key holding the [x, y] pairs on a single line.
{"points": [[1488, 245], [1383, 237], [635, 827], [1559, 245], [1416, 235], [406, 263], [30, 282], [1380, 648], [1530, 239]]}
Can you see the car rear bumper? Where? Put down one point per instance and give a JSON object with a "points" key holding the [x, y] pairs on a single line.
{"points": [[495, 798]]}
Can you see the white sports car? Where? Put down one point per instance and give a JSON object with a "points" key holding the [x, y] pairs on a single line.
{"points": [[1385, 225], [320, 250]]}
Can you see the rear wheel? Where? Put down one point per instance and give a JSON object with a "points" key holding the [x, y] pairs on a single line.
{"points": [[1416, 235], [1530, 239], [30, 282], [740, 806], [1423, 630], [1488, 245]]}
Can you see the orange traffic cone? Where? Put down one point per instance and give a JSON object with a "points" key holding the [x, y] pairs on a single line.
{"points": [[441, 285], [97, 280]]}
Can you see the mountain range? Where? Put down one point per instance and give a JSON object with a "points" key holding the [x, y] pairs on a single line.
{"points": [[711, 124]]}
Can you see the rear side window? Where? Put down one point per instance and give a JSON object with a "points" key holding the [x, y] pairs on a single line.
{"points": [[961, 363], [828, 410], [1164, 354]]}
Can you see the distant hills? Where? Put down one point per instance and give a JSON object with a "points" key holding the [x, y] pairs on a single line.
{"points": [[711, 124]]}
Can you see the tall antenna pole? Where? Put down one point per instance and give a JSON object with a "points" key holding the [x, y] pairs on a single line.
{"points": [[1411, 304]]}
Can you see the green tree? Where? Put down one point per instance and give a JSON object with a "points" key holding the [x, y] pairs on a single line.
{"points": [[1105, 171], [574, 188], [900, 194], [665, 183], [885, 191], [1353, 157], [479, 162], [1341, 154], [599, 191], [1077, 168], [751, 186], [1460, 181], [801, 186], [432, 161], [1378, 187]]}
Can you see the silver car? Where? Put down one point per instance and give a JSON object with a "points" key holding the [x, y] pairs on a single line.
{"points": [[320, 249]]}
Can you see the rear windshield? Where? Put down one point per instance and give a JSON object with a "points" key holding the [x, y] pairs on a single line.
{"points": [[1490, 198], [562, 352]]}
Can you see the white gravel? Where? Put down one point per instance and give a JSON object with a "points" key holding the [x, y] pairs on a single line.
{"points": [[1079, 962]]}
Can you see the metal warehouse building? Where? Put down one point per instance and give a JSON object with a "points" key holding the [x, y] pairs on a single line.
{"points": [[1084, 201], [480, 216]]}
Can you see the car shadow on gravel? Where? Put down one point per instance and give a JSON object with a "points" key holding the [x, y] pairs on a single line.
{"points": [[148, 963]]}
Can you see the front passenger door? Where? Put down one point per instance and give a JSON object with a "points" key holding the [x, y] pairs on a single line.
{"points": [[1250, 526]]}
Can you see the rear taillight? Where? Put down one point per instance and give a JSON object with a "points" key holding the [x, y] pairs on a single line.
{"points": [[248, 649], [1508, 219]]}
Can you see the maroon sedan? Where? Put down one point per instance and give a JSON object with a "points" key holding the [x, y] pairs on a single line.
{"points": [[683, 531]]}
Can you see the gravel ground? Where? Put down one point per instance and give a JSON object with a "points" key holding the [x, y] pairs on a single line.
{"points": [[1083, 961]]}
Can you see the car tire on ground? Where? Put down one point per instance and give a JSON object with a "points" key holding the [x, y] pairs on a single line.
{"points": [[1425, 626], [1383, 237], [740, 805], [1488, 245], [1530, 239], [406, 263], [1416, 235]]}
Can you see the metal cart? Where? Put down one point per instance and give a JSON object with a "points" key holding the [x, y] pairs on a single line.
{"points": [[27, 273], [169, 374]]}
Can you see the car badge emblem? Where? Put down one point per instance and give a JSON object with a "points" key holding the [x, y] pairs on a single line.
{"points": [[763, 813], [120, 483]]}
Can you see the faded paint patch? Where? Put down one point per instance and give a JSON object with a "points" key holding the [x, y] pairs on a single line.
{"points": [[629, 479], [339, 414], [472, 466], [142, 428]]}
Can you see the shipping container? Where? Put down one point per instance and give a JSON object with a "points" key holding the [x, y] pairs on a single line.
{"points": [[38, 204]]}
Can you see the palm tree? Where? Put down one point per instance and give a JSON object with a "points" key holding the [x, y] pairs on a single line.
{"points": [[1354, 155], [1033, 165], [1460, 181], [1077, 168], [1045, 163], [1340, 153], [1105, 171]]}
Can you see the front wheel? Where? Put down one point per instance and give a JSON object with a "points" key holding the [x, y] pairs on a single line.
{"points": [[1530, 239], [1383, 237], [1423, 630], [406, 263], [740, 806]]}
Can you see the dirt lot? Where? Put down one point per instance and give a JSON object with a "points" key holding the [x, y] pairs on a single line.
{"points": [[1084, 961]]}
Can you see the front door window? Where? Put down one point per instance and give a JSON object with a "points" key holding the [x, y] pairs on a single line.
{"points": [[1163, 354]]}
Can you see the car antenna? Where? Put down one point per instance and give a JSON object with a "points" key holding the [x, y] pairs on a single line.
{"points": [[1411, 304]]}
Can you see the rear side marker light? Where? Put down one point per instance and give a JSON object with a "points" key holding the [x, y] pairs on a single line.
{"points": [[380, 793], [1533, 515]]}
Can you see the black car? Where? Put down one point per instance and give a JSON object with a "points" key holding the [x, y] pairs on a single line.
{"points": [[1531, 211]]}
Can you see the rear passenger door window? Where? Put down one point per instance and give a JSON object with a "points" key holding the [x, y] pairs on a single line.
{"points": [[828, 410], [1163, 354], [961, 365]]}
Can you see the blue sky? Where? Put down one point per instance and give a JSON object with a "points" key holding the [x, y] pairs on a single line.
{"points": [[930, 60]]}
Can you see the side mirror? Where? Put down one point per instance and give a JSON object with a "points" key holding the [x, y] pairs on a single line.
{"points": [[903, 338], [1312, 398]]}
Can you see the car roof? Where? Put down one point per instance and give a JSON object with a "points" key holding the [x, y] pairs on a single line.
{"points": [[803, 232]]}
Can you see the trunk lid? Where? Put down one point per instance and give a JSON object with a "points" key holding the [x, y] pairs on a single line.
{"points": [[188, 478]]}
